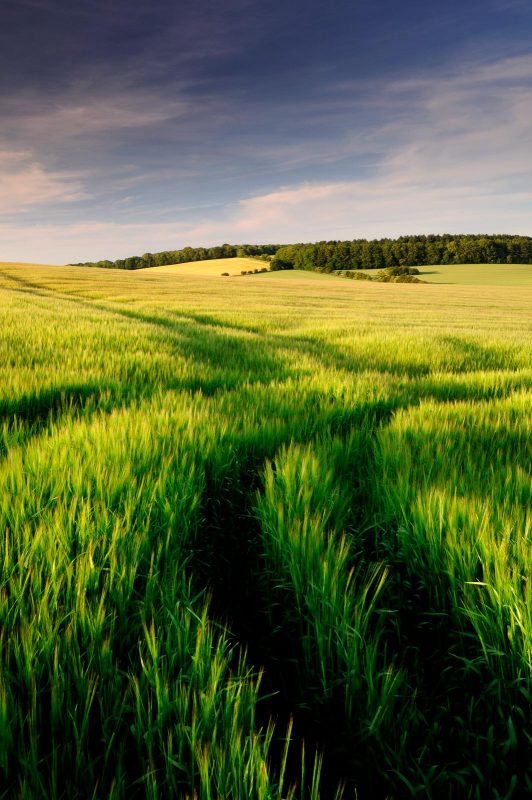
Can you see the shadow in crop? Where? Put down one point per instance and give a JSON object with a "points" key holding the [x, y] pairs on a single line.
{"points": [[41, 407], [24, 286], [472, 356], [31, 414], [229, 562]]}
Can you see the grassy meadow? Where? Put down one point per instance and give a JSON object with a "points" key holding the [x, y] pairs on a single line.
{"points": [[263, 537]]}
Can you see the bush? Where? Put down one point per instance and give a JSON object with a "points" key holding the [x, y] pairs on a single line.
{"points": [[225, 274], [383, 277], [396, 271]]}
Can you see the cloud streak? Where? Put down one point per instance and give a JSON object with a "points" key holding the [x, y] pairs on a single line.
{"points": [[84, 112], [24, 183]]}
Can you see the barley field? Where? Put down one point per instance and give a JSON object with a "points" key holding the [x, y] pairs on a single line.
{"points": [[263, 537]]}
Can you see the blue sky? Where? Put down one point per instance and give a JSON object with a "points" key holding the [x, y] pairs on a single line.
{"points": [[135, 126]]}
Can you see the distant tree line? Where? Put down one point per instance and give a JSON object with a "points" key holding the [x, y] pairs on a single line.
{"points": [[184, 255], [405, 251]]}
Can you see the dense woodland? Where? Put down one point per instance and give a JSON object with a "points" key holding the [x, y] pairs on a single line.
{"points": [[356, 254], [405, 251]]}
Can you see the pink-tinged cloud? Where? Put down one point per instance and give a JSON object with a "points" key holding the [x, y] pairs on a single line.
{"points": [[90, 112], [24, 183]]}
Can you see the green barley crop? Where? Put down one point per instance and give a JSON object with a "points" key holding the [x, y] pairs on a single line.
{"points": [[263, 538]]}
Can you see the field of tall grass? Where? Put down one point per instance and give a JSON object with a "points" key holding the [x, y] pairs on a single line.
{"points": [[263, 538]]}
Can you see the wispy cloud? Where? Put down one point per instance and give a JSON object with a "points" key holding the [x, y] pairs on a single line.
{"points": [[86, 112], [471, 129], [24, 183]]}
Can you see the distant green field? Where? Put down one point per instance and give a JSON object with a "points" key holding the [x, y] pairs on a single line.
{"points": [[264, 537], [480, 274], [476, 274]]}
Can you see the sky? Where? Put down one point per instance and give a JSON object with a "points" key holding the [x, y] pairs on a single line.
{"points": [[129, 126]]}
